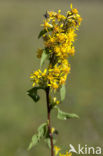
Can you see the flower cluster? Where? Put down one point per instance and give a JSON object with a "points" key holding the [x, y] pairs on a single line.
{"points": [[58, 41], [39, 77]]}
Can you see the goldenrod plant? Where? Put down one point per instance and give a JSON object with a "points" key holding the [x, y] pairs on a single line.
{"points": [[58, 34]]}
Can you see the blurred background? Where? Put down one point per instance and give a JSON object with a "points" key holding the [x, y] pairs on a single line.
{"points": [[19, 116]]}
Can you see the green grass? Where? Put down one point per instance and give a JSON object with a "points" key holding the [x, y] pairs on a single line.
{"points": [[19, 116]]}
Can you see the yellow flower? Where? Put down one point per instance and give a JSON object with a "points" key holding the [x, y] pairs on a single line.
{"points": [[52, 14], [79, 20], [56, 101], [71, 35], [46, 25], [71, 6], [66, 68], [57, 49], [56, 28], [62, 80], [52, 130], [74, 11], [34, 84], [68, 154], [44, 73], [59, 16], [61, 37], [72, 51], [54, 85], [50, 77], [61, 154], [39, 77], [52, 40], [56, 70], [56, 149]]}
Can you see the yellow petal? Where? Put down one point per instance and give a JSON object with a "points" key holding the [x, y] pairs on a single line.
{"points": [[71, 6]]}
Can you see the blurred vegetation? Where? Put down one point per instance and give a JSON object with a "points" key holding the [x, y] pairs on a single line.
{"points": [[19, 116]]}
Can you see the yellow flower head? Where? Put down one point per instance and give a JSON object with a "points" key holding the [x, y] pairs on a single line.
{"points": [[74, 11], [68, 154], [54, 85], [46, 25], [52, 130], [52, 14], [72, 51], [56, 149], [71, 6], [39, 77]]}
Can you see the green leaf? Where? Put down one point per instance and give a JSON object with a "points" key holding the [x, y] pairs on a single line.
{"points": [[47, 140], [62, 92], [44, 31], [41, 132], [33, 94], [43, 57], [64, 116], [33, 142]]}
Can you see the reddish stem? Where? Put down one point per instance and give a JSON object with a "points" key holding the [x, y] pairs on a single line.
{"points": [[49, 121]]}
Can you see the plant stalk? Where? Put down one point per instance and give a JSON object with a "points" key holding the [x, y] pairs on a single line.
{"points": [[49, 120]]}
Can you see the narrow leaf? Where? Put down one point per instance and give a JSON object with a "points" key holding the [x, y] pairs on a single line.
{"points": [[33, 142], [62, 92], [41, 132], [44, 31], [43, 57], [47, 140], [64, 116]]}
